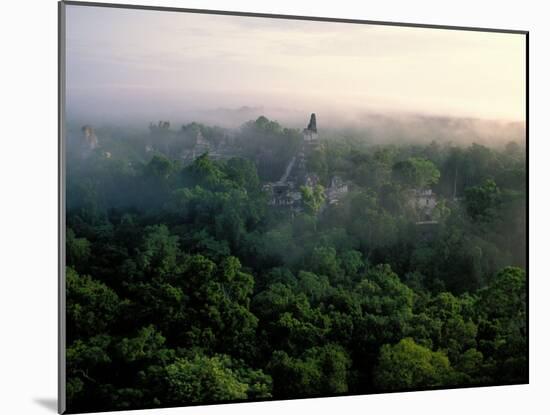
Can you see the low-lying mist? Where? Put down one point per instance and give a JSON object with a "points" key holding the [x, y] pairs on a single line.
{"points": [[370, 127]]}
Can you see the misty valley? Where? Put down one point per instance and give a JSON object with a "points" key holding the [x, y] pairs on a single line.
{"points": [[208, 263]]}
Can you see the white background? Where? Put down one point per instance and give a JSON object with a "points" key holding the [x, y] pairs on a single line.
{"points": [[28, 205]]}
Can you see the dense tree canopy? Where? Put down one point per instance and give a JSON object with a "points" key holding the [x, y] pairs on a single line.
{"points": [[184, 285]]}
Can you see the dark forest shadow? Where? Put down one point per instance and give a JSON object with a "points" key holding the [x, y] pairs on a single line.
{"points": [[48, 403]]}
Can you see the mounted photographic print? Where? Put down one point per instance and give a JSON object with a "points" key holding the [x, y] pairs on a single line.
{"points": [[264, 207]]}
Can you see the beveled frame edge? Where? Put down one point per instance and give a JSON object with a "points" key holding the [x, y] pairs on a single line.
{"points": [[291, 17], [62, 329]]}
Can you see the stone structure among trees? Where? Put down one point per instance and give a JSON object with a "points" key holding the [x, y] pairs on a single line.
{"points": [[424, 201], [288, 191]]}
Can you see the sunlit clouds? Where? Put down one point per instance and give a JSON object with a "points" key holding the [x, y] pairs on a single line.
{"points": [[135, 63]]}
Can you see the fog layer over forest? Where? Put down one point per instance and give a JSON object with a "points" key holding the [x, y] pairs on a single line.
{"points": [[373, 127], [247, 258]]}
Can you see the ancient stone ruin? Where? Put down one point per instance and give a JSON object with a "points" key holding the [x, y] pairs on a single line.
{"points": [[424, 201], [310, 133], [286, 191], [90, 141], [336, 190]]}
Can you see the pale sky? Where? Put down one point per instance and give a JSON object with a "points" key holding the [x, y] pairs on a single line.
{"points": [[147, 64]]}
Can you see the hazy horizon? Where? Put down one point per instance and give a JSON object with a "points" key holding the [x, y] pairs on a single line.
{"points": [[139, 66]]}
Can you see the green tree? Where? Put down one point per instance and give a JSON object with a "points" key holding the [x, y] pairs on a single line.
{"points": [[218, 306], [407, 365], [351, 262], [319, 371], [313, 198], [91, 305], [159, 166], [324, 261], [482, 201], [416, 173], [203, 379], [78, 249], [87, 362], [503, 325], [158, 252]]}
